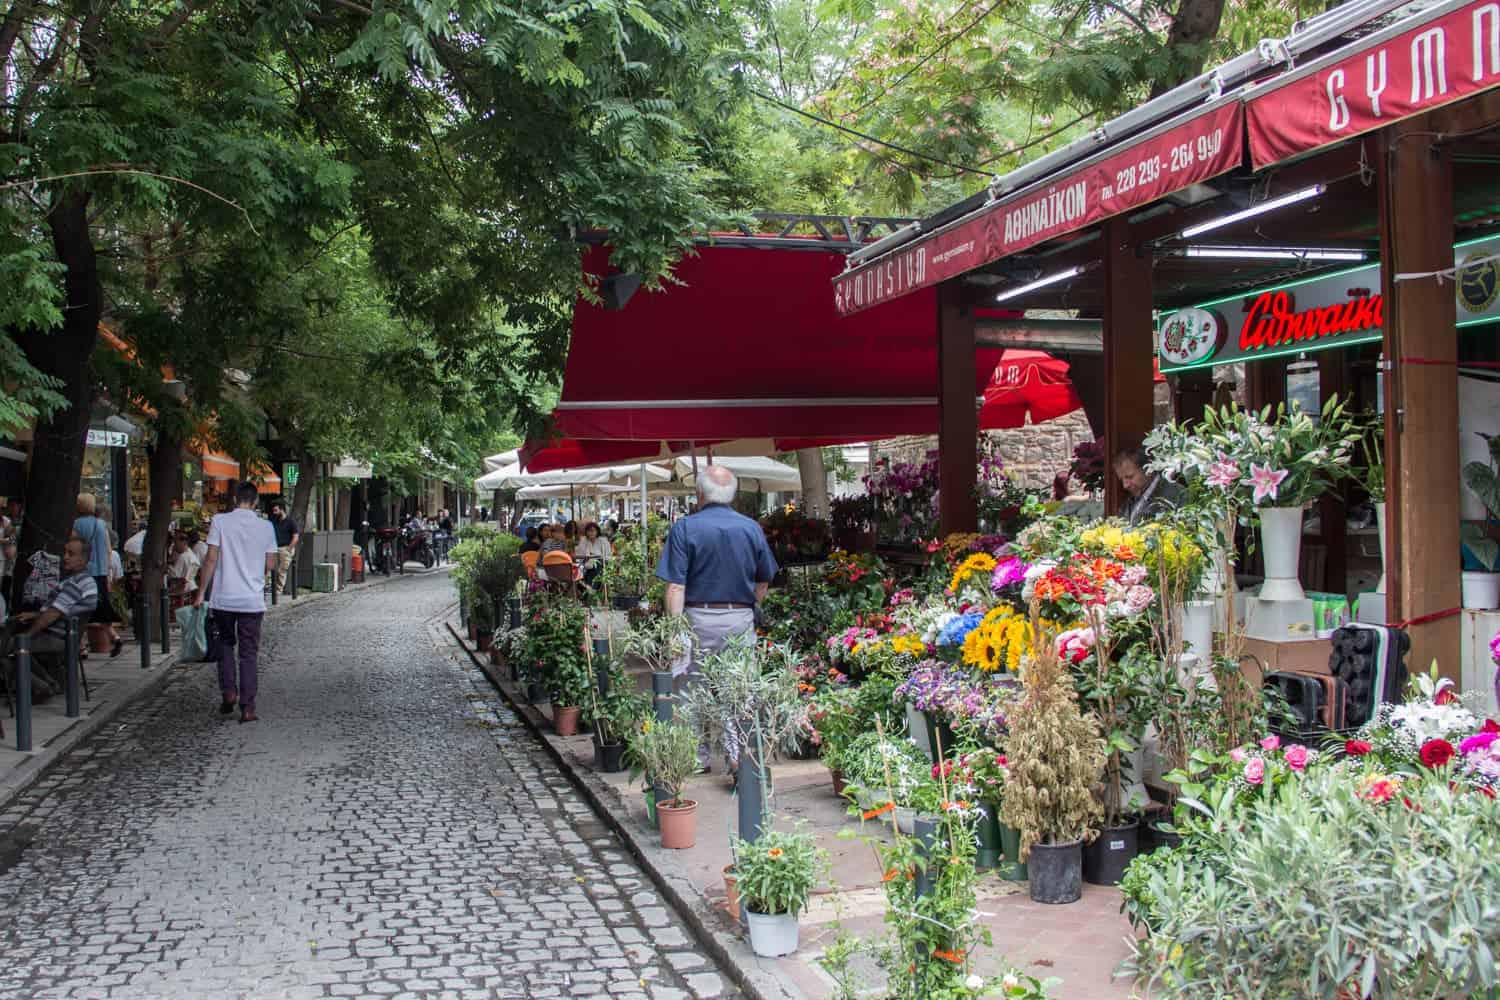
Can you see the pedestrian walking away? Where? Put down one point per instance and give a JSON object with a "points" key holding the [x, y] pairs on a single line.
{"points": [[241, 551], [287, 534], [717, 567]]}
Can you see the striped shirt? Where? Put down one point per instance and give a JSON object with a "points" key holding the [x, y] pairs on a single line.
{"points": [[76, 597]]}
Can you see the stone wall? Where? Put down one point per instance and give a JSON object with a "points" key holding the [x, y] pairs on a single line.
{"points": [[1036, 452]]}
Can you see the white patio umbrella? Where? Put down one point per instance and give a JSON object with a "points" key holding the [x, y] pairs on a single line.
{"points": [[757, 474]]}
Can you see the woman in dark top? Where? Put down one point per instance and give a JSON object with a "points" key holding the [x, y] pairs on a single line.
{"points": [[531, 544]]}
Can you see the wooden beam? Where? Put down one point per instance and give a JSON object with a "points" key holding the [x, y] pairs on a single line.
{"points": [[1128, 347], [1333, 507], [958, 417], [1414, 181]]}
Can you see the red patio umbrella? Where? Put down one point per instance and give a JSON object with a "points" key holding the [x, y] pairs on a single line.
{"points": [[1027, 383]]}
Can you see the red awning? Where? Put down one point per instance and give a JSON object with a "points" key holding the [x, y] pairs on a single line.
{"points": [[1028, 384], [1191, 148], [749, 346], [573, 453], [1432, 58]]}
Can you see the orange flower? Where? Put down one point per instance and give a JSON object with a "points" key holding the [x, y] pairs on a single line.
{"points": [[956, 957], [1048, 589], [878, 810], [1125, 553], [890, 873], [775, 852]]}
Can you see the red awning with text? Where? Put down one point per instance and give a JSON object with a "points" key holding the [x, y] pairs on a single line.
{"points": [[1446, 53], [1183, 152], [749, 346]]}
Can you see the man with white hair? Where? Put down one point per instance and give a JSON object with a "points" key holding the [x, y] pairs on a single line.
{"points": [[717, 567]]}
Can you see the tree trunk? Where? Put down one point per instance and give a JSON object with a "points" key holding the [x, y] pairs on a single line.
{"points": [[814, 482], [57, 447], [164, 467], [302, 492], [343, 506], [1193, 28]]}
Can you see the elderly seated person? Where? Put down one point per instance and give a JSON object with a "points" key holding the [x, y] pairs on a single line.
{"points": [[593, 552], [552, 539], [77, 596]]}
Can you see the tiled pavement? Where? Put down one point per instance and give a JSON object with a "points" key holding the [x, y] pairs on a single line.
{"points": [[386, 829]]}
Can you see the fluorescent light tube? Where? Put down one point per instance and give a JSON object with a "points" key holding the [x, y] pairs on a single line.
{"points": [[1050, 279], [1252, 211], [1256, 253]]}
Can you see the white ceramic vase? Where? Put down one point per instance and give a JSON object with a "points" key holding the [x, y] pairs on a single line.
{"points": [[1198, 627], [1481, 590], [1281, 551]]}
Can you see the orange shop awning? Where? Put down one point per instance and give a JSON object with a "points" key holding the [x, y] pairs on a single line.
{"points": [[217, 465]]}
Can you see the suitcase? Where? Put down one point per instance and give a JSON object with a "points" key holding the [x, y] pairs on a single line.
{"points": [[1305, 696]]}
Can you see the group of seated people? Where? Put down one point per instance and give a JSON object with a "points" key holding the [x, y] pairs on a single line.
{"points": [[559, 544]]}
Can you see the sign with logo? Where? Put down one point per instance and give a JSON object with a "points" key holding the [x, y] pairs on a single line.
{"points": [[107, 439], [1334, 310], [1397, 74], [1150, 168], [289, 474]]}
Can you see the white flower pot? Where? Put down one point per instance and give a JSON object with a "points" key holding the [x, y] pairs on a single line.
{"points": [[772, 935], [916, 728], [1281, 550], [1481, 590], [1198, 628], [1380, 530]]}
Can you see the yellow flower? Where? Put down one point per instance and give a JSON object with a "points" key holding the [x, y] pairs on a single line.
{"points": [[978, 563], [774, 852], [909, 644]]}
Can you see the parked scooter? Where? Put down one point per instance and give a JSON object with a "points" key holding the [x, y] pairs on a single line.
{"points": [[415, 545]]}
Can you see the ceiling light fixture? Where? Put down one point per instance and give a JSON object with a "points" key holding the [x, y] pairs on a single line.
{"points": [[1051, 279], [1252, 211], [1278, 253]]}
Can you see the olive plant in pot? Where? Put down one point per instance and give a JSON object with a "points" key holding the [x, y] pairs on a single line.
{"points": [[775, 876], [1055, 755], [667, 753], [660, 641]]}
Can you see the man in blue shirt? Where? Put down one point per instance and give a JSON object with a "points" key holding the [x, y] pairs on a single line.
{"points": [[717, 567]]}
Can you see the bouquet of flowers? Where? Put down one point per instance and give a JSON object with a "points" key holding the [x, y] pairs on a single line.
{"points": [[999, 642], [986, 770], [1422, 731], [1242, 458], [793, 536], [971, 579], [1267, 765], [904, 499]]}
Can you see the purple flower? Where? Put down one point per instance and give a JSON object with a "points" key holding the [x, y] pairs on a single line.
{"points": [[1479, 741], [1008, 572]]}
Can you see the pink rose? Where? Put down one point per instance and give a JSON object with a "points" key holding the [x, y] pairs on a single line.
{"points": [[1255, 771], [1237, 754], [1270, 743], [1296, 756]]}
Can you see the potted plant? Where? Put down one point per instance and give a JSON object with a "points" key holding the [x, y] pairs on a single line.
{"points": [[615, 715], [775, 876], [1055, 755], [667, 753], [660, 641], [985, 770], [554, 655], [1481, 588], [570, 683]]}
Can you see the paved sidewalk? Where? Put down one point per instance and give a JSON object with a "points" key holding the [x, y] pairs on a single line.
{"points": [[388, 828], [114, 682], [1081, 943]]}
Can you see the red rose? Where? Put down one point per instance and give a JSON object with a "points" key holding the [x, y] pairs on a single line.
{"points": [[1436, 753], [1357, 748], [1490, 726]]}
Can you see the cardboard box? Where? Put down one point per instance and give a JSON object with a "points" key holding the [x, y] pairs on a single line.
{"points": [[1265, 656]]}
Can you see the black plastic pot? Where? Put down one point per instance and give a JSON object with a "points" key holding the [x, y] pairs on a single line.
{"points": [[1153, 837], [1105, 857], [991, 850], [624, 602], [609, 757], [536, 693], [513, 605], [1056, 872]]}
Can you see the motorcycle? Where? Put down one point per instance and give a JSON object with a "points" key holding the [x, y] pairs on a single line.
{"points": [[415, 545]]}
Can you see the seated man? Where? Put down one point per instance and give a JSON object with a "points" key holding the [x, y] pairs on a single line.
{"points": [[182, 571], [76, 598]]}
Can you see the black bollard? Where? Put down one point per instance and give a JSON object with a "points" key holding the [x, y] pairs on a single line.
{"points": [[70, 668], [23, 693], [343, 580], [661, 695], [166, 622], [143, 630], [292, 574]]}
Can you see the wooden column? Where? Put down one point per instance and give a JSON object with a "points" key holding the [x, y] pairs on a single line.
{"points": [[958, 417], [1128, 348], [1414, 181], [1193, 393]]}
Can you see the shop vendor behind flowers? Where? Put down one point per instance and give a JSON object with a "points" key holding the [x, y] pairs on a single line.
{"points": [[1151, 494]]}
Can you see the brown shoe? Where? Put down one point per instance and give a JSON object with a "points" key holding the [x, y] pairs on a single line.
{"points": [[248, 715]]}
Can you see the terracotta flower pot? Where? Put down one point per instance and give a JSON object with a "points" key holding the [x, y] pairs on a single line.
{"points": [[838, 781], [99, 639], [732, 893], [565, 720], [679, 823]]}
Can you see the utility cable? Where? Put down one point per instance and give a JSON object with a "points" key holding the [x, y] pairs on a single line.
{"points": [[943, 47], [869, 138]]}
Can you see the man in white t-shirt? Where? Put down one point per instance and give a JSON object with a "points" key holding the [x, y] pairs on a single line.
{"points": [[241, 551]]}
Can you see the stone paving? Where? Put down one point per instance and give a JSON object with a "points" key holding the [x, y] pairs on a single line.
{"points": [[388, 828]]}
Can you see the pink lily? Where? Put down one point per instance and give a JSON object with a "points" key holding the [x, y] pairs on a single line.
{"points": [[1223, 473], [1266, 481]]}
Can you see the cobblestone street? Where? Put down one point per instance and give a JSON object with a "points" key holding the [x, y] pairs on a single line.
{"points": [[388, 828]]}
